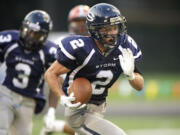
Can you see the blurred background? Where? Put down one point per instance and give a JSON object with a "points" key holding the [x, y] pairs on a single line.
{"points": [[155, 26]]}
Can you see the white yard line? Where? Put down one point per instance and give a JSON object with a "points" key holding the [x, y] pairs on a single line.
{"points": [[163, 131]]}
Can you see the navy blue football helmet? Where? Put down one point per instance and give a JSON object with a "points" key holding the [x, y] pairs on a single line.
{"points": [[102, 15], [35, 29]]}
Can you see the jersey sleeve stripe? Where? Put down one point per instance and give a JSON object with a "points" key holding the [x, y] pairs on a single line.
{"points": [[120, 48], [131, 40], [10, 49], [65, 52], [137, 55], [75, 71]]}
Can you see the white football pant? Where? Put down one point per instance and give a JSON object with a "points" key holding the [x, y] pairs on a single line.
{"points": [[90, 121], [16, 113]]}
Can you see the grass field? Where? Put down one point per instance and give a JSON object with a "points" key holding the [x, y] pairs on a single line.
{"points": [[134, 125]]}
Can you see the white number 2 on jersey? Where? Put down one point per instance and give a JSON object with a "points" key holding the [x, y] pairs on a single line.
{"points": [[107, 75], [23, 78], [77, 43]]}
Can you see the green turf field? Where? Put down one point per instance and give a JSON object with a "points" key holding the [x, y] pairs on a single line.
{"points": [[129, 123]]}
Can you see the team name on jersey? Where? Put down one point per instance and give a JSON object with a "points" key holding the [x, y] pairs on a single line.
{"points": [[106, 65], [20, 59]]}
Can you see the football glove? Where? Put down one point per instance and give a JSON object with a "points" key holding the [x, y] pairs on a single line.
{"points": [[67, 101], [49, 119], [127, 63]]}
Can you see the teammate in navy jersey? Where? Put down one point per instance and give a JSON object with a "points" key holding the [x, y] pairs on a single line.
{"points": [[27, 54], [101, 58], [77, 26]]}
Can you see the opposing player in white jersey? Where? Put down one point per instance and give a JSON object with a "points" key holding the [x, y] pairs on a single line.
{"points": [[101, 58], [76, 26], [27, 54]]}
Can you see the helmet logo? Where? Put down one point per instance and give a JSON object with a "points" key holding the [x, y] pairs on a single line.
{"points": [[90, 17], [34, 26], [115, 19]]}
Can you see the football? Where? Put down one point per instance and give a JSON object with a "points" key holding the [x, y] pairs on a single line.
{"points": [[82, 90]]}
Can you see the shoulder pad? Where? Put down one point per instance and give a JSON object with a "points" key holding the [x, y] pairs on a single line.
{"points": [[50, 48], [71, 44], [131, 44]]}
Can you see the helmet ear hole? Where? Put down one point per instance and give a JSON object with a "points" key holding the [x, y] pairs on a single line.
{"points": [[35, 29]]}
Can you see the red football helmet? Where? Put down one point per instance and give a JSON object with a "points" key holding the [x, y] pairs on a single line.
{"points": [[77, 20]]}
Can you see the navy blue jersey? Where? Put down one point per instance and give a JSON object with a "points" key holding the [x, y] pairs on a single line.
{"points": [[81, 55], [25, 69]]}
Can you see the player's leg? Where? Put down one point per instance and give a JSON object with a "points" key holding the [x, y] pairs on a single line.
{"points": [[6, 111], [24, 114], [91, 121], [100, 126], [96, 123], [75, 118], [68, 129]]}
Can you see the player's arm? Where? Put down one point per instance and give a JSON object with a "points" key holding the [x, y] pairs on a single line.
{"points": [[5, 38], [53, 99], [49, 118], [128, 66], [52, 77]]}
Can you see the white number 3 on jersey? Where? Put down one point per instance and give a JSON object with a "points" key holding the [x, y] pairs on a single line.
{"points": [[23, 78]]}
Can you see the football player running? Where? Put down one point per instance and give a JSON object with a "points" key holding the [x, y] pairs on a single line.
{"points": [[77, 26], [101, 58], [27, 54]]}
